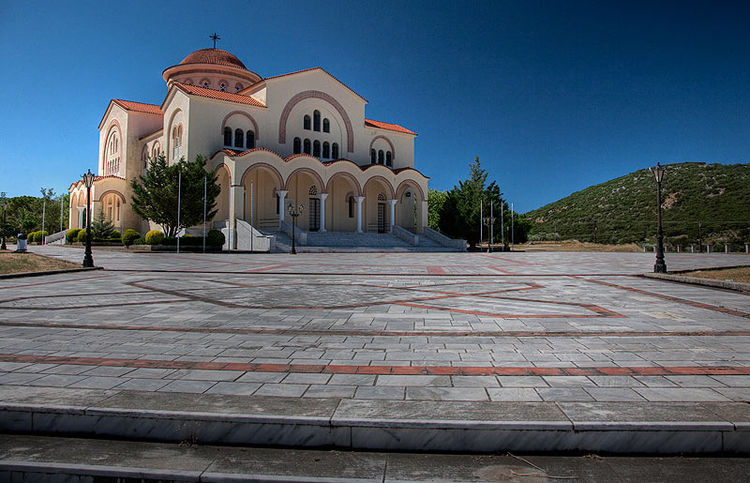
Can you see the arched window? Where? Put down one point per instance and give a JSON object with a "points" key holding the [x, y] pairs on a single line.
{"points": [[297, 145], [381, 157], [239, 138], [335, 150], [306, 122], [177, 142], [326, 125], [250, 140], [223, 87], [144, 157], [228, 136], [373, 157], [316, 120], [350, 201], [381, 197], [238, 87], [388, 159], [316, 148], [326, 150], [313, 190], [206, 83], [306, 146]]}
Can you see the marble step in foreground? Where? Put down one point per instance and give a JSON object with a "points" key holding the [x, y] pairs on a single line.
{"points": [[629, 427], [43, 458]]}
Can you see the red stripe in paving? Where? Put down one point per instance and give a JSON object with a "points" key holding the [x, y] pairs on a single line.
{"points": [[379, 370], [435, 270], [386, 333], [671, 298]]}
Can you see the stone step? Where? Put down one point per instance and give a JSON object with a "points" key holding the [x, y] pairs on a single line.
{"points": [[461, 426], [30, 458]]}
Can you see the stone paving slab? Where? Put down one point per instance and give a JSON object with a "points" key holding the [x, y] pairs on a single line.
{"points": [[357, 337]]}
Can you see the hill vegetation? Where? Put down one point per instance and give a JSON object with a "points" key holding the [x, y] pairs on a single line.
{"points": [[702, 203]]}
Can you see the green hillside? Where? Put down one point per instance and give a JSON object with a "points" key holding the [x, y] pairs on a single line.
{"points": [[706, 201]]}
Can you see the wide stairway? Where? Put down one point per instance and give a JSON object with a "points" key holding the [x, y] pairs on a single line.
{"points": [[349, 241]]}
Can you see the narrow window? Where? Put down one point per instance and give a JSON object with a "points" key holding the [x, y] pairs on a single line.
{"points": [[239, 138], [373, 157], [277, 203], [206, 84], [388, 159], [381, 158], [307, 146], [297, 145], [316, 120], [228, 136], [326, 125], [223, 87], [335, 150], [251, 140], [326, 150], [306, 122], [238, 87], [351, 206], [316, 148]]}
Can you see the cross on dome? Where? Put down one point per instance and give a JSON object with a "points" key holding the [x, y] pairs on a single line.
{"points": [[214, 37]]}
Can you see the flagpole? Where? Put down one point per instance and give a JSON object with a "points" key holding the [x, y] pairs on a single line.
{"points": [[179, 194], [205, 191]]}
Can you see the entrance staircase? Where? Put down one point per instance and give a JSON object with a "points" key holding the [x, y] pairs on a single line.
{"points": [[334, 241]]}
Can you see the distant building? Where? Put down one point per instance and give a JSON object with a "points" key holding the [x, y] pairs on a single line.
{"points": [[295, 138]]}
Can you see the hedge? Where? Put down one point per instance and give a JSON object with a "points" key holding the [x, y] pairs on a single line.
{"points": [[154, 237], [72, 235], [129, 237]]}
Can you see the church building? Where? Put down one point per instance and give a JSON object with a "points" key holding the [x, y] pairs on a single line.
{"points": [[299, 139]]}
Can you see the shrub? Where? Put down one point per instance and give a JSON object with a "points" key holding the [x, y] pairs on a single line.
{"points": [[129, 237], [169, 241], [72, 235], [154, 237], [191, 241], [116, 234], [81, 236], [30, 237], [215, 238], [139, 241]]}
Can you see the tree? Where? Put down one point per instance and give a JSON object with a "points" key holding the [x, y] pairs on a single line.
{"points": [[101, 228], [459, 215], [155, 194], [435, 201]]}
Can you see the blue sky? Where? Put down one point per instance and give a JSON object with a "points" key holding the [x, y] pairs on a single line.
{"points": [[553, 96]]}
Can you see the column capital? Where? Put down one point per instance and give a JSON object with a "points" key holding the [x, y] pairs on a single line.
{"points": [[282, 192], [323, 196], [359, 199], [393, 201]]}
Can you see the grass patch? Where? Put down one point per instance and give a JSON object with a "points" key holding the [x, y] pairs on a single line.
{"points": [[29, 262], [576, 246], [741, 274]]}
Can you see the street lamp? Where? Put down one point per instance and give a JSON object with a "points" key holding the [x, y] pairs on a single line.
{"points": [[659, 266], [294, 213], [490, 222], [88, 181], [4, 202]]}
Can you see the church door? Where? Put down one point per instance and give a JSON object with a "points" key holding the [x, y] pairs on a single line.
{"points": [[314, 214], [381, 218]]}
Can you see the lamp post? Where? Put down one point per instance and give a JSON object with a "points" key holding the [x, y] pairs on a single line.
{"points": [[4, 203], [88, 181], [294, 213], [489, 221], [659, 266]]}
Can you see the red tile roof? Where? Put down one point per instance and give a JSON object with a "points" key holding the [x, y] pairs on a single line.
{"points": [[224, 96], [213, 56], [388, 126], [139, 107]]}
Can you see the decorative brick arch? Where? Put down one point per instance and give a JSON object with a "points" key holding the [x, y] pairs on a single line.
{"points": [[316, 95], [383, 181], [274, 172], [309, 171], [249, 118], [119, 195], [226, 168], [393, 150], [409, 182], [113, 125], [348, 176]]}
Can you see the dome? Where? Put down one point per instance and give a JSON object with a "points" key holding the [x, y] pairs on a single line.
{"points": [[213, 56]]}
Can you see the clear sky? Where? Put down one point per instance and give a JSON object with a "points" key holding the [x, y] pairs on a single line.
{"points": [[553, 96]]}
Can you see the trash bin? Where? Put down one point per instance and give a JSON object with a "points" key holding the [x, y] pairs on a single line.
{"points": [[21, 243]]}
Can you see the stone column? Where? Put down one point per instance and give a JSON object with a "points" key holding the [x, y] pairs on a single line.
{"points": [[323, 197], [393, 214], [359, 213], [282, 199], [236, 210]]}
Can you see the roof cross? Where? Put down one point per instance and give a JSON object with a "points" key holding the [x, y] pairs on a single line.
{"points": [[214, 37]]}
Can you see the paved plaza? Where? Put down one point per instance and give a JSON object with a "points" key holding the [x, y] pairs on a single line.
{"points": [[567, 336]]}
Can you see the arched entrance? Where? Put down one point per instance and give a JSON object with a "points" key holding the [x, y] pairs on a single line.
{"points": [[305, 188], [261, 206], [341, 206], [222, 201], [409, 206], [376, 210]]}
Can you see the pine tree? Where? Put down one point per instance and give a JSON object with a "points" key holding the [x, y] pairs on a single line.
{"points": [[101, 228]]}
